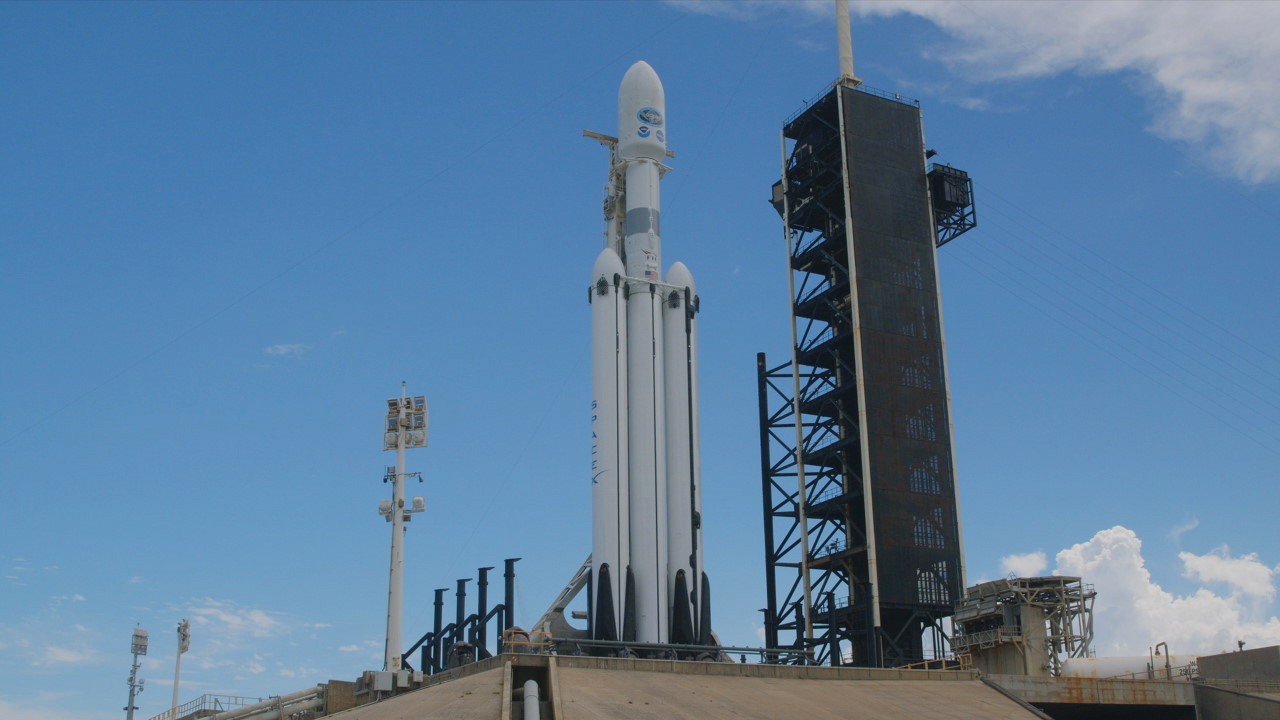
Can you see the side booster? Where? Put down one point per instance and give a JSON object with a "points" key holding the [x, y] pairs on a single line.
{"points": [[647, 579]]}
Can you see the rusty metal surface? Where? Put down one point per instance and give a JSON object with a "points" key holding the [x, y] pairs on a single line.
{"points": [[1096, 691]]}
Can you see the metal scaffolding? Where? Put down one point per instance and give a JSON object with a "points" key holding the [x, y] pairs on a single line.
{"points": [[1046, 620], [862, 539]]}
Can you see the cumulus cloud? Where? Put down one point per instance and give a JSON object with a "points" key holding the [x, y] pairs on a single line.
{"points": [[297, 350], [1245, 575], [1133, 612], [1025, 565], [1208, 67], [349, 648]]}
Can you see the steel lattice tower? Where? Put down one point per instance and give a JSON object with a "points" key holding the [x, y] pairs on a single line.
{"points": [[863, 555]]}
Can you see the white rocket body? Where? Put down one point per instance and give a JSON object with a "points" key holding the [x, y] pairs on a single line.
{"points": [[647, 577]]}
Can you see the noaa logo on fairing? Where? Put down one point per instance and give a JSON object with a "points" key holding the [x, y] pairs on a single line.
{"points": [[643, 131], [649, 115], [660, 136]]}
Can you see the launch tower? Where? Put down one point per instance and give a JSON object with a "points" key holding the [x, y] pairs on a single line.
{"points": [[862, 531]]}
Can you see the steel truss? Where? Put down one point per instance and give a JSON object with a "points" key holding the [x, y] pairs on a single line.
{"points": [[821, 579]]}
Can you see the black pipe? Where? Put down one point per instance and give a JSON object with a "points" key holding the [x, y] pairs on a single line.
{"points": [[799, 612], [509, 578], [833, 637], [462, 609], [766, 486], [482, 612], [435, 635]]}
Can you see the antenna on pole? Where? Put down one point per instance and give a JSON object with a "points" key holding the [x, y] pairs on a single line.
{"points": [[845, 41], [138, 646], [405, 427]]}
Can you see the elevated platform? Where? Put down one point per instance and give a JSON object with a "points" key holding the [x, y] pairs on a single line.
{"points": [[1096, 691]]}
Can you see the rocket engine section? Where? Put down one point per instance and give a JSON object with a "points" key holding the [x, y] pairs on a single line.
{"points": [[647, 580]]}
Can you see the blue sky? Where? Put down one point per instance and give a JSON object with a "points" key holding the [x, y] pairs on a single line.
{"points": [[231, 230]]}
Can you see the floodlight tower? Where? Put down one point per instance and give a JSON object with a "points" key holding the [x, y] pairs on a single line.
{"points": [[405, 427], [184, 644], [138, 647]]}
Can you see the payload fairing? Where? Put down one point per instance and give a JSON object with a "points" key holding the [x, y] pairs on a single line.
{"points": [[648, 583]]}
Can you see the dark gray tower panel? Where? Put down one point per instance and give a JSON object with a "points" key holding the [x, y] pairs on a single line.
{"points": [[862, 530]]}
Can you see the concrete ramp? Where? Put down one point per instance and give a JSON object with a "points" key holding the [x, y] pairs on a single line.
{"points": [[586, 688], [471, 697], [589, 694]]}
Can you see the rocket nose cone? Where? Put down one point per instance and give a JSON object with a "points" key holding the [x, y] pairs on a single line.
{"points": [[640, 75], [640, 86], [642, 109], [680, 276], [607, 265]]}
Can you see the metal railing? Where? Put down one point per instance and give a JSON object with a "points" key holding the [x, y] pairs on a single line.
{"points": [[985, 638], [961, 661], [207, 703]]}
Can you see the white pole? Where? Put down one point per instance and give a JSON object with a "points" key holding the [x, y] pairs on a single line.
{"points": [[395, 593], [184, 641], [844, 39], [177, 670]]}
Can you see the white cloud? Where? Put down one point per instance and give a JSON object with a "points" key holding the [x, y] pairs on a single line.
{"points": [[225, 617], [74, 598], [15, 711], [1179, 530], [973, 103], [55, 655], [349, 648], [1209, 67], [737, 9], [1029, 564], [1244, 574], [136, 579], [1132, 612], [297, 350]]}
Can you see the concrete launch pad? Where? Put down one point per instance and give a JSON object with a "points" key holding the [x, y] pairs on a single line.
{"points": [[583, 688]]}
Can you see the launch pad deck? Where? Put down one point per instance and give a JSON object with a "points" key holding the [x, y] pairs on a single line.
{"points": [[579, 688]]}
